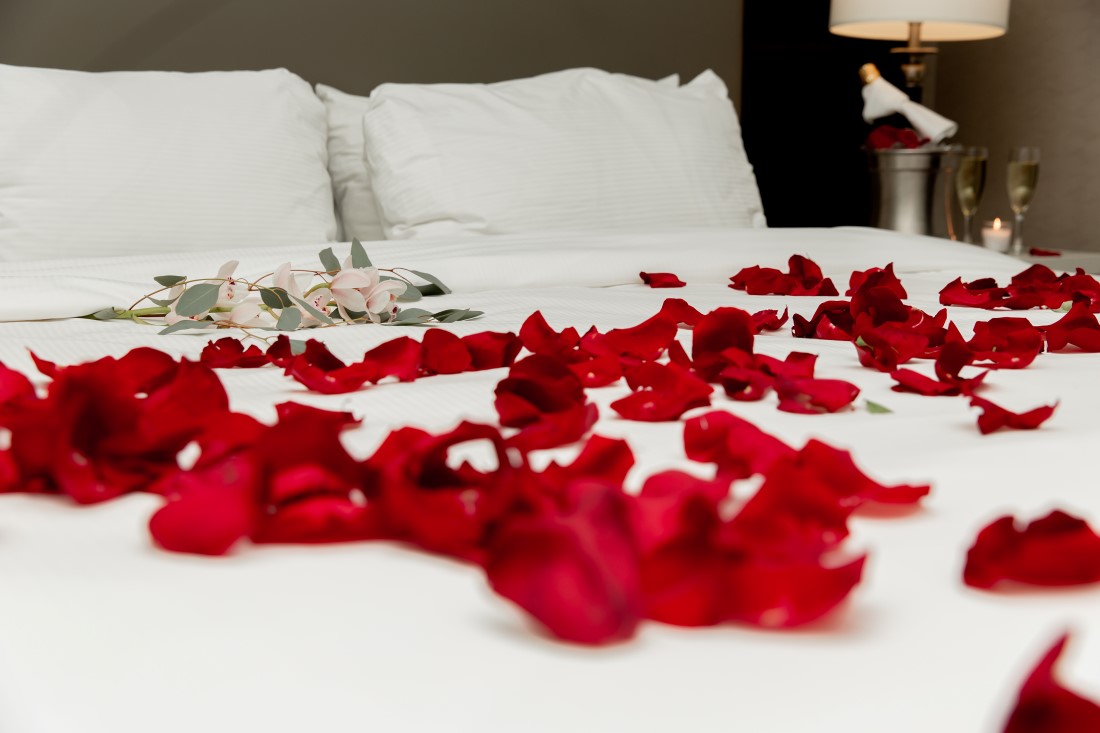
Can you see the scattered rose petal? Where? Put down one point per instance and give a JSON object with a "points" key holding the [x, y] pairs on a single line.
{"points": [[661, 280], [994, 417], [1056, 550], [230, 353], [1045, 706]]}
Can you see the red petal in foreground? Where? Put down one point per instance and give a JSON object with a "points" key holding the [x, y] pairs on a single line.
{"points": [[663, 392], [1078, 327], [441, 352], [230, 353], [814, 396], [736, 446], [995, 417], [208, 511], [786, 593], [492, 350], [769, 320], [646, 341], [1045, 706], [544, 398], [320, 371], [1056, 550], [575, 572], [876, 277], [853, 488], [661, 280]]}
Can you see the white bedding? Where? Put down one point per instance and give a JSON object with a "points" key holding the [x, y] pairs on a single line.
{"points": [[100, 632]]}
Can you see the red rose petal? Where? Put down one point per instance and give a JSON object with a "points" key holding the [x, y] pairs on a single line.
{"points": [[1040, 252], [804, 278], [876, 277], [661, 280], [539, 338], [680, 312], [442, 352], [491, 350], [320, 371], [13, 385], [814, 396], [575, 572], [995, 417], [721, 329], [769, 320], [663, 392], [399, 357], [1045, 706], [1078, 327], [1056, 550], [544, 398], [230, 353], [736, 446], [833, 321], [214, 511], [646, 341]]}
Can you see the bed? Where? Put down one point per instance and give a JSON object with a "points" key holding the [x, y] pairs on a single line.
{"points": [[102, 630]]}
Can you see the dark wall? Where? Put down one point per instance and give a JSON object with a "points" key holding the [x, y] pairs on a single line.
{"points": [[357, 44], [802, 113]]}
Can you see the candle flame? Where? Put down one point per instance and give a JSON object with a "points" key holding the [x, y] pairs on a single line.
{"points": [[997, 223]]}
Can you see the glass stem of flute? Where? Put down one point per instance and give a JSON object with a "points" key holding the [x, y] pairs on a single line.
{"points": [[968, 221], [1018, 233]]}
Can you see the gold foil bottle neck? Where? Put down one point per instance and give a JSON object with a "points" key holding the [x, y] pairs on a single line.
{"points": [[868, 73]]}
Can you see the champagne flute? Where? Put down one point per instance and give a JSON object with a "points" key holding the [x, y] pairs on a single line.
{"points": [[969, 186], [1023, 176]]}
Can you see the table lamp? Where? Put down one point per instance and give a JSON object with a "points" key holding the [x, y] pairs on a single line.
{"points": [[919, 21]]}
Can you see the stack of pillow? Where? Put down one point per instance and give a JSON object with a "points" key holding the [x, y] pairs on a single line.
{"points": [[130, 162]]}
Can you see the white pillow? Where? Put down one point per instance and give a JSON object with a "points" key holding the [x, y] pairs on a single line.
{"points": [[127, 162], [355, 202], [580, 149]]}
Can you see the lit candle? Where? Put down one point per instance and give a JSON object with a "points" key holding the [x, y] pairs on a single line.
{"points": [[996, 236]]}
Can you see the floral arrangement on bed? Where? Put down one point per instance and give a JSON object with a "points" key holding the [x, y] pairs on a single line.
{"points": [[289, 299]]}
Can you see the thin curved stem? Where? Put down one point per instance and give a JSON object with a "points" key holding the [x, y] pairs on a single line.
{"points": [[968, 228], [1018, 234]]}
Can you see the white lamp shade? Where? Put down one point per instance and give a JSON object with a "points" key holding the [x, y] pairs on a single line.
{"points": [[941, 20]]}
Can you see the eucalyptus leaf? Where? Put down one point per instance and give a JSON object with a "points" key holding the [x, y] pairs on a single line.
{"points": [[107, 314], [412, 293], [432, 279], [418, 315], [429, 290], [876, 409], [328, 260], [456, 314], [297, 347], [169, 280], [313, 311], [198, 299], [275, 297], [186, 325], [164, 303], [289, 319], [1066, 306], [359, 255]]}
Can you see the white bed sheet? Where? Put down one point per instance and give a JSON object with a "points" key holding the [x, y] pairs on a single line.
{"points": [[100, 632]]}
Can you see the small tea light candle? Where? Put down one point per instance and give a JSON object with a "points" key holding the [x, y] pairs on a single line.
{"points": [[996, 236]]}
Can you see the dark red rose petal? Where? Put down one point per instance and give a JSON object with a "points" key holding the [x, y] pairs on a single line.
{"points": [[788, 593], [442, 352], [213, 512], [575, 572], [680, 312], [1006, 343], [646, 341], [319, 370], [804, 278], [661, 280], [876, 277], [1056, 550], [814, 396], [544, 398], [995, 417], [598, 371], [736, 446], [853, 487], [492, 350], [399, 357], [833, 321], [1078, 327], [769, 320], [1045, 706], [603, 459], [230, 353], [13, 385], [721, 329], [663, 392], [1040, 252], [539, 338], [983, 293]]}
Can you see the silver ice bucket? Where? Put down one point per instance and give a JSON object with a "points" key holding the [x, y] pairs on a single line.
{"points": [[914, 190]]}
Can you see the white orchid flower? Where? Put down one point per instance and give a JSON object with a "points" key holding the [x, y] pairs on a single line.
{"points": [[248, 314], [362, 290], [232, 291]]}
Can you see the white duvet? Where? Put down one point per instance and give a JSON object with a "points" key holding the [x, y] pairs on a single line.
{"points": [[102, 633]]}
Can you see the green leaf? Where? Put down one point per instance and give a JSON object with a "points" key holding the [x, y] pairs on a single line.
{"points": [[456, 314], [860, 341], [1066, 306], [198, 299], [297, 347], [359, 255], [876, 409], [169, 280], [432, 279], [164, 303], [185, 325], [429, 290], [328, 260], [412, 292], [289, 319], [275, 297], [417, 315], [107, 314], [313, 311]]}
